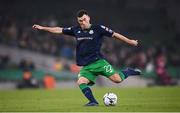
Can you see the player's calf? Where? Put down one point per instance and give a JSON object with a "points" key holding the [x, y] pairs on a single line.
{"points": [[82, 82]]}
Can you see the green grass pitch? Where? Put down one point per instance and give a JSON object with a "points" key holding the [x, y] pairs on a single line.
{"points": [[163, 99]]}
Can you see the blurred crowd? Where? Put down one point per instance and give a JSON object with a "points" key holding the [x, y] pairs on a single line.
{"points": [[20, 34]]}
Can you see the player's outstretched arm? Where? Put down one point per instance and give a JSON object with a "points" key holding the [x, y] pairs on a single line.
{"points": [[124, 39], [57, 30]]}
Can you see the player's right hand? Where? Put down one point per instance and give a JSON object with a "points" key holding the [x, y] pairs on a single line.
{"points": [[35, 26]]}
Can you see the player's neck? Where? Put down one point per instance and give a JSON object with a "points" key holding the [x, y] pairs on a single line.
{"points": [[88, 27]]}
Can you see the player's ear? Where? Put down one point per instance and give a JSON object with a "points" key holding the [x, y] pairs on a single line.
{"points": [[88, 17], [78, 19]]}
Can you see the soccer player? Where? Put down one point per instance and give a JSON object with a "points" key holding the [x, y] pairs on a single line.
{"points": [[89, 39]]}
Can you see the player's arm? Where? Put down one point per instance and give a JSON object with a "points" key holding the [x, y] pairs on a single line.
{"points": [[57, 30], [125, 39]]}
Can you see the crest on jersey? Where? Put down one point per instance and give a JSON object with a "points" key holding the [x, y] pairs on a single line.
{"points": [[91, 32]]}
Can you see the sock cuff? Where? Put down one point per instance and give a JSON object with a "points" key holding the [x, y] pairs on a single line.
{"points": [[121, 74], [83, 86]]}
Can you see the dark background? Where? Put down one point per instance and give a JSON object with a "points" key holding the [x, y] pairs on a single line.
{"points": [[155, 23]]}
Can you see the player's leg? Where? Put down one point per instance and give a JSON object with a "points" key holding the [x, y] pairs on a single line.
{"points": [[117, 78], [83, 82], [108, 71]]}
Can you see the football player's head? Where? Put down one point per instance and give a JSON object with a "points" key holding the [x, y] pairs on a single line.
{"points": [[83, 19]]}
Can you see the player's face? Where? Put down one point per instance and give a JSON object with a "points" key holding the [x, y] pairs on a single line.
{"points": [[84, 21]]}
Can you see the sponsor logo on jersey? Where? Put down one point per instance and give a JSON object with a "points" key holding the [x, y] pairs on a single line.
{"points": [[84, 38]]}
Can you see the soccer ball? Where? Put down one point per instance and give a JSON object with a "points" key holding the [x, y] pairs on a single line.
{"points": [[110, 99]]}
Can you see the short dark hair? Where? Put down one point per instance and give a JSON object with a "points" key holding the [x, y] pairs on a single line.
{"points": [[82, 12]]}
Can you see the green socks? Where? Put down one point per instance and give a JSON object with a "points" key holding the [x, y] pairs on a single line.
{"points": [[121, 74], [82, 86]]}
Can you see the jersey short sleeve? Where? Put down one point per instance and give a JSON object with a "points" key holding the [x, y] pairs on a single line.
{"points": [[68, 31], [106, 31]]}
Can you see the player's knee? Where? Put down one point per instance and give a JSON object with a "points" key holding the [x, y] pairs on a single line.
{"points": [[116, 78], [82, 81], [117, 81], [79, 82]]}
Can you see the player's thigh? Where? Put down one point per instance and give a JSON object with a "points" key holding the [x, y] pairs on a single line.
{"points": [[115, 78], [86, 76], [107, 70]]}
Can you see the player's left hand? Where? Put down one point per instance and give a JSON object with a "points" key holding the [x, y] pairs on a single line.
{"points": [[134, 42]]}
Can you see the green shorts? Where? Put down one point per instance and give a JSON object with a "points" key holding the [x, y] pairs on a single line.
{"points": [[99, 67]]}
